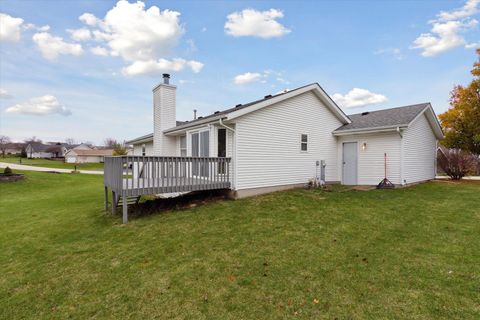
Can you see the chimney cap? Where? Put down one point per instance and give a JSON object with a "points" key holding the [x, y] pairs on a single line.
{"points": [[166, 75]]}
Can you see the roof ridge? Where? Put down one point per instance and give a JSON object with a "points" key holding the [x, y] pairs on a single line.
{"points": [[407, 106]]}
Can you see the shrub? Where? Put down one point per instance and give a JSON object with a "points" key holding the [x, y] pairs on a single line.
{"points": [[456, 163], [23, 154], [7, 171]]}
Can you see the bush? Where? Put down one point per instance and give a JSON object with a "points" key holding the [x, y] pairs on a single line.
{"points": [[7, 171], [23, 154], [456, 163]]}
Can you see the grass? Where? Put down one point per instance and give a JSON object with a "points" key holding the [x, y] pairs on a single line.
{"points": [[48, 163], [411, 253]]}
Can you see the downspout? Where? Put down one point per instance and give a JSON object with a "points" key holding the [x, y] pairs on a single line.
{"points": [[220, 121], [399, 132], [402, 181]]}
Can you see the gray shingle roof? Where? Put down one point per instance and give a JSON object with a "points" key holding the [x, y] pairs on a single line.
{"points": [[218, 113], [399, 116]]}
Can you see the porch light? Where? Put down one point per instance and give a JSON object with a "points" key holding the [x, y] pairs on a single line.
{"points": [[364, 146]]}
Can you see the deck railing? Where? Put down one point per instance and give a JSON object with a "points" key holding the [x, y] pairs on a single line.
{"points": [[137, 175]]}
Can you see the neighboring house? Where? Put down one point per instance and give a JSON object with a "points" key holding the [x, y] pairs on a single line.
{"points": [[40, 150], [87, 155], [275, 142], [14, 148]]}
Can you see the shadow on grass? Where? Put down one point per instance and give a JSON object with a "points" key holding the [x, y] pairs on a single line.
{"points": [[150, 205]]}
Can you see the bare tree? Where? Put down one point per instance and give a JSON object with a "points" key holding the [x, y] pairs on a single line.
{"points": [[70, 141], [32, 139], [110, 142], [4, 141]]}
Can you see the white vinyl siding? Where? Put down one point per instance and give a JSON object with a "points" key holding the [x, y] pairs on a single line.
{"points": [[137, 149], [419, 149], [371, 166], [268, 143]]}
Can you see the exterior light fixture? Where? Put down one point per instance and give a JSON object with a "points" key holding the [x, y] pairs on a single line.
{"points": [[364, 146]]}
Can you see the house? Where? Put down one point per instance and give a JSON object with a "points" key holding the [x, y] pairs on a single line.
{"points": [[14, 148], [40, 150], [81, 155], [281, 141]]}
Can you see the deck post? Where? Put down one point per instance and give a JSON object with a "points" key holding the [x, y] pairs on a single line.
{"points": [[114, 202], [125, 208], [106, 198]]}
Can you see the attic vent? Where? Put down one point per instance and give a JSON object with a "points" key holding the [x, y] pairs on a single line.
{"points": [[267, 96], [365, 113], [216, 112], [200, 117], [238, 105]]}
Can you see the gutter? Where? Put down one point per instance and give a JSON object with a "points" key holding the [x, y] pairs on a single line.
{"points": [[368, 130], [220, 122]]}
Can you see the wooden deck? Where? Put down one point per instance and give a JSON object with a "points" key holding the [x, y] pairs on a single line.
{"points": [[133, 176]]}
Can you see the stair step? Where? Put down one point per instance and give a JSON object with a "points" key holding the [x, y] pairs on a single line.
{"points": [[130, 200]]}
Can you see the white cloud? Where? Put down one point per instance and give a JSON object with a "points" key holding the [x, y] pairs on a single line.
{"points": [[40, 106], [141, 36], [10, 28], [89, 19], [153, 67], [395, 52], [82, 34], [250, 22], [99, 51], [445, 37], [4, 94], [468, 10], [248, 77], [51, 47], [446, 30], [358, 98], [262, 77], [135, 33]]}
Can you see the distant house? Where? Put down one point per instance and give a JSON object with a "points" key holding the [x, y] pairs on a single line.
{"points": [[87, 155], [14, 148], [40, 150]]}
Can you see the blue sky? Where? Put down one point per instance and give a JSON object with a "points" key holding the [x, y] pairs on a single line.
{"points": [[368, 55]]}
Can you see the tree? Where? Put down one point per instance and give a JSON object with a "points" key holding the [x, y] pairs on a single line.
{"points": [[4, 142], [456, 163], [119, 149], [461, 123], [110, 142], [70, 141], [32, 139]]}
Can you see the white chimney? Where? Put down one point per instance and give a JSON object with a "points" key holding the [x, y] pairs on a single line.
{"points": [[164, 117]]}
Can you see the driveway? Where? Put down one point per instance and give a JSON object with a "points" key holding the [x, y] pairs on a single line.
{"points": [[15, 166]]}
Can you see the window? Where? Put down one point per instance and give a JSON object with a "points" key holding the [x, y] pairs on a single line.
{"points": [[183, 146], [304, 142], [143, 150]]}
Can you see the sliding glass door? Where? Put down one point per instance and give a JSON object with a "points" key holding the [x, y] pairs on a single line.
{"points": [[201, 148]]}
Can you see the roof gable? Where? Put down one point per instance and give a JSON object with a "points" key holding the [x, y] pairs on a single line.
{"points": [[400, 117]]}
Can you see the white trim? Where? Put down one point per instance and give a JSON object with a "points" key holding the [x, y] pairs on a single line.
{"points": [[313, 87], [369, 130]]}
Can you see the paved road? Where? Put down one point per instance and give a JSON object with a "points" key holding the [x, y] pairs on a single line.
{"points": [[464, 178], [15, 166]]}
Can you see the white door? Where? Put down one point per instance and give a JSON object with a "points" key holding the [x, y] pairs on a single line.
{"points": [[349, 163]]}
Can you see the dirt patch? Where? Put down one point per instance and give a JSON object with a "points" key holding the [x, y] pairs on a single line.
{"points": [[11, 177], [152, 205]]}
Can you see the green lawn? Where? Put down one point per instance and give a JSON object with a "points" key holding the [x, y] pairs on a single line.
{"points": [[411, 253], [52, 163]]}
